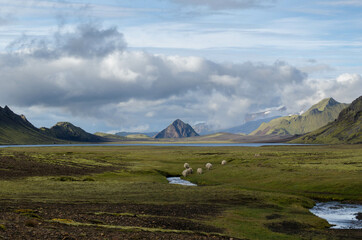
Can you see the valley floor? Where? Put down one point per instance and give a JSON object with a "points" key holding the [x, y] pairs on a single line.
{"points": [[114, 192]]}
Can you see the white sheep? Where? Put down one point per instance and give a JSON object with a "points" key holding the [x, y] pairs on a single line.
{"points": [[199, 170], [208, 166], [189, 171], [223, 162], [185, 173], [186, 165]]}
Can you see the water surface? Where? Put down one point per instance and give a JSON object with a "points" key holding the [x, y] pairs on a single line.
{"points": [[342, 216], [179, 181], [160, 145]]}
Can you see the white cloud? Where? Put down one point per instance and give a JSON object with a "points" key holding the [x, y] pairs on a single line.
{"points": [[225, 80], [128, 89]]}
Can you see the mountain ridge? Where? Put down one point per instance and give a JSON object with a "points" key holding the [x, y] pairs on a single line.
{"points": [[246, 128], [347, 128], [67, 131], [16, 129], [316, 116]]}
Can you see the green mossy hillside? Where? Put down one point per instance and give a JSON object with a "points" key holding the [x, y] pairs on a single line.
{"points": [[317, 116], [346, 129], [16, 129]]}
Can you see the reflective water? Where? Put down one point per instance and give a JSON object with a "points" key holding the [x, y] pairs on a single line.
{"points": [[178, 180], [343, 216], [160, 145]]}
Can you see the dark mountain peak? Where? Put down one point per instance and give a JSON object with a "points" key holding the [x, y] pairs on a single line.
{"points": [[16, 129], [178, 129], [64, 124], [6, 114], [67, 131], [7, 110], [179, 123]]}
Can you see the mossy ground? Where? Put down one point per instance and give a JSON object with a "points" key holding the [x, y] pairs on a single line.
{"points": [[261, 193]]}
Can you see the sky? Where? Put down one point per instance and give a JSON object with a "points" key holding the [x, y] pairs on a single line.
{"points": [[113, 66]]}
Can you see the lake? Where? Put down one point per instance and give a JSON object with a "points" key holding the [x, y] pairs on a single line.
{"points": [[161, 145]]}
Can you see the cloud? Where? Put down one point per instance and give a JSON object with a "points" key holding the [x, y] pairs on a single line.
{"points": [[3, 21], [90, 41], [127, 89], [316, 68], [87, 40], [226, 4]]}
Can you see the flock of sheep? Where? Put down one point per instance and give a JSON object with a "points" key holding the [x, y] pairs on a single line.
{"points": [[188, 170]]}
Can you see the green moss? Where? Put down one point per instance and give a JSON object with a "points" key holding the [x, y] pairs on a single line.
{"points": [[2, 227], [28, 213]]}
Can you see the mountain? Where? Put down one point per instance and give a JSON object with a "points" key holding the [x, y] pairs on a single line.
{"points": [[67, 131], [138, 136], [178, 129], [317, 116], [347, 128], [16, 129], [125, 134], [110, 137], [246, 128], [202, 129]]}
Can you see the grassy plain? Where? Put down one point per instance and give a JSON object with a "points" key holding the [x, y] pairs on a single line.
{"points": [[261, 193]]}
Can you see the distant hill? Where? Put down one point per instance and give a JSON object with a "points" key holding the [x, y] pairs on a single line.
{"points": [[16, 129], [138, 136], [67, 131], [347, 128], [110, 137], [178, 129], [317, 116], [125, 134], [246, 128], [202, 129]]}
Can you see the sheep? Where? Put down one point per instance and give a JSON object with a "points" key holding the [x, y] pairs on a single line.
{"points": [[190, 171], [185, 173], [208, 166], [199, 171], [257, 155], [186, 165], [223, 162]]}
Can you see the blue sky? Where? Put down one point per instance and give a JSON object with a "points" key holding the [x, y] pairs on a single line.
{"points": [[138, 65]]}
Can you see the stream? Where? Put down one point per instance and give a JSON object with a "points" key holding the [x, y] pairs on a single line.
{"points": [[179, 181], [341, 216]]}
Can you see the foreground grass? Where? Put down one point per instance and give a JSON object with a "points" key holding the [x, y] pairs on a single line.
{"points": [[259, 190]]}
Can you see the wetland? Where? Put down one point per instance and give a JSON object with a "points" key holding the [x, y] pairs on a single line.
{"points": [[121, 192]]}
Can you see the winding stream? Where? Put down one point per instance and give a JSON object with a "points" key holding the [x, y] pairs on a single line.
{"points": [[179, 181], [342, 216]]}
